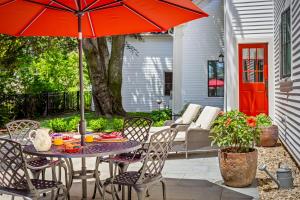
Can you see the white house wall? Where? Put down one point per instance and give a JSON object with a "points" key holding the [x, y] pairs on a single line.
{"points": [[246, 22], [287, 104], [194, 44], [143, 74]]}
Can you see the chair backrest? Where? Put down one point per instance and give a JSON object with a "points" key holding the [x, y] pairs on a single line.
{"points": [[157, 152], [13, 171], [137, 128], [189, 114], [207, 117], [18, 130]]}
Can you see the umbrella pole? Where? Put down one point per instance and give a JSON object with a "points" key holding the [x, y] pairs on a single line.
{"points": [[82, 124]]}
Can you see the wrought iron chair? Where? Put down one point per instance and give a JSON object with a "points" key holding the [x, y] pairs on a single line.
{"points": [[134, 128], [150, 172], [18, 131], [14, 177]]}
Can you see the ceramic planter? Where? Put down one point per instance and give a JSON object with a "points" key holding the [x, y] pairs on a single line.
{"points": [[269, 136], [238, 169]]}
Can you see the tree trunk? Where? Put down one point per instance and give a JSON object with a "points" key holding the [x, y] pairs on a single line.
{"points": [[105, 71], [97, 70], [115, 73]]}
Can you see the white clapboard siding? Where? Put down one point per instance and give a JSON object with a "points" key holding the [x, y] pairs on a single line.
{"points": [[143, 73], [251, 17], [202, 40], [287, 105]]}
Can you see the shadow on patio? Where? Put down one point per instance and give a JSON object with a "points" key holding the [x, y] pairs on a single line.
{"points": [[179, 189]]}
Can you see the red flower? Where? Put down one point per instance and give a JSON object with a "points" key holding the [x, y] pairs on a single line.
{"points": [[228, 121], [221, 113], [251, 121]]}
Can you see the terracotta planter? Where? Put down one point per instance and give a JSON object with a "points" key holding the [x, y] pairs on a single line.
{"points": [[238, 169], [269, 136]]}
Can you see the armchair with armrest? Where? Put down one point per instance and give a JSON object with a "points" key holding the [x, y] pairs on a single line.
{"points": [[196, 136], [183, 122]]}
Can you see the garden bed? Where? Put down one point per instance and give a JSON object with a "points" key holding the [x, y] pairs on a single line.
{"points": [[267, 187]]}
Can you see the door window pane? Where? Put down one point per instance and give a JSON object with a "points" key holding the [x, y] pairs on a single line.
{"points": [[253, 66]]}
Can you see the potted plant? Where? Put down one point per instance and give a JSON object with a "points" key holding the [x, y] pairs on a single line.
{"points": [[268, 131], [236, 133]]}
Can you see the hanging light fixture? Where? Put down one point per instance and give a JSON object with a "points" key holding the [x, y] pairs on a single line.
{"points": [[221, 57]]}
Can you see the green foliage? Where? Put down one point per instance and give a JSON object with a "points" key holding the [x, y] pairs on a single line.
{"points": [[158, 116], [117, 124], [235, 129], [73, 123], [38, 64], [98, 124], [161, 115], [263, 120], [59, 125]]}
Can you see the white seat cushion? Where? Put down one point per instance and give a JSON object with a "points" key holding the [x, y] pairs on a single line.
{"points": [[189, 114], [207, 116]]}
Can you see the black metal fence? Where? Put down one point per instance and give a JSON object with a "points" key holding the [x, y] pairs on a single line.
{"points": [[14, 106]]}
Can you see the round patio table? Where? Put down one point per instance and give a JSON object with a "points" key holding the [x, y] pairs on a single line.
{"points": [[94, 149]]}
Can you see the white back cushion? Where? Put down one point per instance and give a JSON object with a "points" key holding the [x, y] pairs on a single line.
{"points": [[207, 116], [190, 113]]}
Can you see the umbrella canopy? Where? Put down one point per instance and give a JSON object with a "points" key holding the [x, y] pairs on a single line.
{"points": [[215, 83], [99, 17]]}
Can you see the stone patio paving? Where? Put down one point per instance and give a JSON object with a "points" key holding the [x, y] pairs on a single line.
{"points": [[195, 178]]}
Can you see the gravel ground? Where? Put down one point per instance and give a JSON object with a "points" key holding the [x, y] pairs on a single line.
{"points": [[268, 188]]}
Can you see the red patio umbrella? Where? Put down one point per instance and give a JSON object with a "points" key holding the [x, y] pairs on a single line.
{"points": [[215, 83], [92, 18]]}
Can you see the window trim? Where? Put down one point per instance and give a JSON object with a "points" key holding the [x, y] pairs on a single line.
{"points": [[208, 95], [282, 46]]}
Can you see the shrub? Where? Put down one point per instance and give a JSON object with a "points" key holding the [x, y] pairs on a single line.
{"points": [[161, 115], [159, 123], [73, 123], [235, 129], [59, 125], [263, 120], [98, 124], [117, 124]]}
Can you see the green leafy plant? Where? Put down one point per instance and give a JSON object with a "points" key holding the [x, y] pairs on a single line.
{"points": [[73, 123], [98, 124], [161, 115], [235, 130], [117, 124], [263, 120], [59, 125]]}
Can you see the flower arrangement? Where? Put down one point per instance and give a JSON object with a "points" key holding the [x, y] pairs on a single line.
{"points": [[235, 130]]}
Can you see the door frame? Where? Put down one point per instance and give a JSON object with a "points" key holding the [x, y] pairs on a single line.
{"points": [[264, 45]]}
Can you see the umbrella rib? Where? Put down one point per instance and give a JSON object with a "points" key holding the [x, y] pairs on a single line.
{"points": [[104, 6], [144, 17], [182, 7], [48, 6], [6, 3], [65, 6], [34, 19], [90, 21]]}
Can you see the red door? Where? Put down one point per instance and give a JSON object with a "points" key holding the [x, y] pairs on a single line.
{"points": [[253, 78]]}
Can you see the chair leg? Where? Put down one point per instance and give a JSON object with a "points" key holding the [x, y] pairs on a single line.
{"points": [[186, 151], [140, 191], [163, 183], [129, 193]]}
